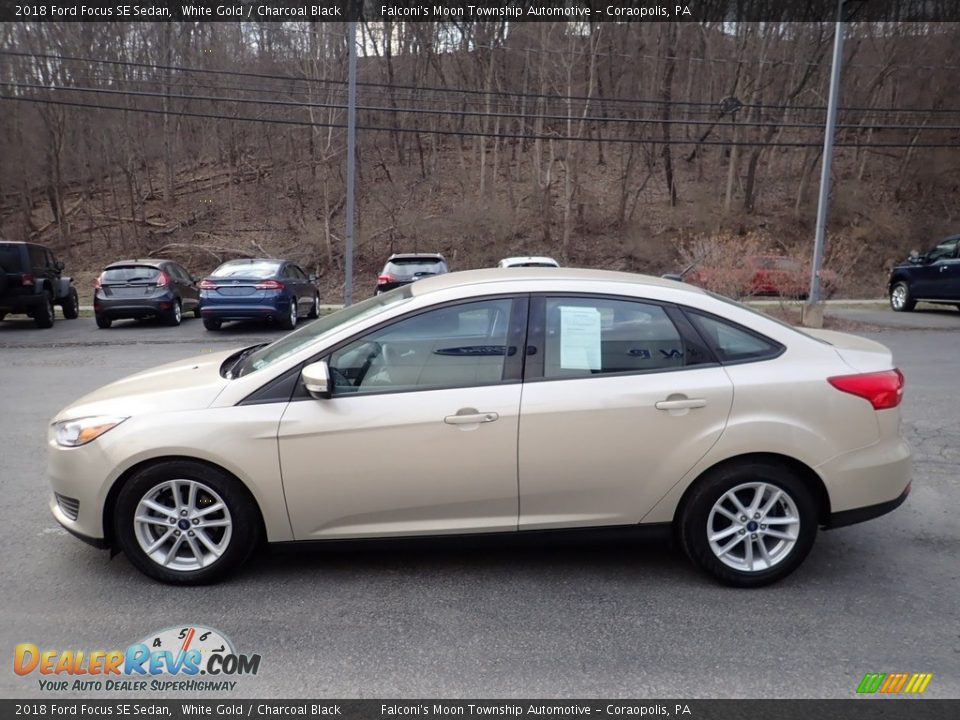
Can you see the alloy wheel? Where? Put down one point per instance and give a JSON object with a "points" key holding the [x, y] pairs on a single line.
{"points": [[899, 297], [183, 525], [753, 526]]}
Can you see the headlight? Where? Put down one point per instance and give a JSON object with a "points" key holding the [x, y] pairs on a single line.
{"points": [[72, 433]]}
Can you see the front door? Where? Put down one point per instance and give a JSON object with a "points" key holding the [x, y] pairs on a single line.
{"points": [[420, 434]]}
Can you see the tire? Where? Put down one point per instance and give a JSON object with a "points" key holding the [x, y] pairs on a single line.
{"points": [[231, 540], [103, 322], [2, 316], [212, 323], [174, 316], [900, 298], [71, 305], [315, 308], [794, 512], [290, 321], [196, 312], [44, 316]]}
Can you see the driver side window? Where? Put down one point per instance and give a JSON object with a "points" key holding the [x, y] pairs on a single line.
{"points": [[456, 346], [943, 251]]}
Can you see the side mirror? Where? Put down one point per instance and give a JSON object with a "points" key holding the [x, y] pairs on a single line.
{"points": [[316, 378], [59, 266]]}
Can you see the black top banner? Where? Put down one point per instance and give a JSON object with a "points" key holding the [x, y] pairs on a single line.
{"points": [[588, 11]]}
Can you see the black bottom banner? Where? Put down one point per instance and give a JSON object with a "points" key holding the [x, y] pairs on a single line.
{"points": [[854, 709]]}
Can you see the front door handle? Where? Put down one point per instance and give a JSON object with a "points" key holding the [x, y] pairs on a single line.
{"points": [[470, 416], [684, 404]]}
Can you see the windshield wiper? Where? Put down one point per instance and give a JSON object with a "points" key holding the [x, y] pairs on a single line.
{"points": [[242, 357]]}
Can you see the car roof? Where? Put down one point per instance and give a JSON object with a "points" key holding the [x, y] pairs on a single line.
{"points": [[528, 258], [436, 283], [425, 256], [137, 261]]}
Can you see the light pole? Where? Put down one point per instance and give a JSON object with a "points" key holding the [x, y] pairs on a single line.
{"points": [[351, 159], [813, 311]]}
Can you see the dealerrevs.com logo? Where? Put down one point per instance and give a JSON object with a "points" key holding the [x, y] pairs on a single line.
{"points": [[187, 659]]}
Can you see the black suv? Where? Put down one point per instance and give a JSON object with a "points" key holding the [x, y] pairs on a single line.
{"points": [[31, 283], [145, 288], [932, 277], [405, 268]]}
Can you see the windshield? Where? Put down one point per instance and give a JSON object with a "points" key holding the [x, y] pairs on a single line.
{"points": [[318, 329], [247, 269]]}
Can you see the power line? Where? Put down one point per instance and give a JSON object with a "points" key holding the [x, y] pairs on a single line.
{"points": [[472, 113], [463, 91], [471, 133]]}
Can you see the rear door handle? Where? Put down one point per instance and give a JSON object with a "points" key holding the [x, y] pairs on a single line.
{"points": [[470, 416], [685, 404]]}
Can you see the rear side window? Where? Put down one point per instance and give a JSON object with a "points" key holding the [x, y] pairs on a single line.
{"points": [[10, 258], [598, 336], [38, 256], [129, 273], [734, 343]]}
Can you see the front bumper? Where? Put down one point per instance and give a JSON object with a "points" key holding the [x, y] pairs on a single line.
{"points": [[78, 475]]}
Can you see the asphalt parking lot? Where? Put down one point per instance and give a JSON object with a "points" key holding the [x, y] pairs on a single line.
{"points": [[625, 620]]}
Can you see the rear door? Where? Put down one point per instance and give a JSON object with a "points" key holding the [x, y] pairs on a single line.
{"points": [[621, 400]]}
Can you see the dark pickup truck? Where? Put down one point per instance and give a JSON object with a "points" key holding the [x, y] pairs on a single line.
{"points": [[32, 283]]}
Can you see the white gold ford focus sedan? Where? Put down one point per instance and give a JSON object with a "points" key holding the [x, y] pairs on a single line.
{"points": [[494, 401]]}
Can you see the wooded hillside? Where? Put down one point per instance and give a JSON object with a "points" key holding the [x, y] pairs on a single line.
{"points": [[603, 144]]}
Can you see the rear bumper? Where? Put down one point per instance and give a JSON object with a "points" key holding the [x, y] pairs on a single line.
{"points": [[245, 312], [859, 515], [125, 308], [16, 304]]}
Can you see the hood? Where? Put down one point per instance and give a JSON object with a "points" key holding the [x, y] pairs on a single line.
{"points": [[860, 353], [189, 384]]}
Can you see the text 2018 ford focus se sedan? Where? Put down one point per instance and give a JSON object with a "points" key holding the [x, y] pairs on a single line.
{"points": [[530, 399]]}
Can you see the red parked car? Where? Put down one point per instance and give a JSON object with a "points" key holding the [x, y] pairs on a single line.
{"points": [[778, 275]]}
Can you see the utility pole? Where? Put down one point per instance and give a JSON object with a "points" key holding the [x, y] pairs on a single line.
{"points": [[351, 159], [813, 310]]}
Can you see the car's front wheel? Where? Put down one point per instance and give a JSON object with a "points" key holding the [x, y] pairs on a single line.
{"points": [[185, 523], [900, 298], [749, 524], [315, 308]]}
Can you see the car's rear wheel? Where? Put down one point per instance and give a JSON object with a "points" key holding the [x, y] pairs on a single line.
{"points": [[185, 523], [212, 323], [71, 305], [315, 308], [103, 322], [749, 524], [900, 298], [290, 321], [44, 315], [174, 316]]}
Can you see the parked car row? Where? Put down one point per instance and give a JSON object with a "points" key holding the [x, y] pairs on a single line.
{"points": [[249, 289]]}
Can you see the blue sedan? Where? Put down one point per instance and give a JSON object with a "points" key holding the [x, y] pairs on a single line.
{"points": [[258, 289]]}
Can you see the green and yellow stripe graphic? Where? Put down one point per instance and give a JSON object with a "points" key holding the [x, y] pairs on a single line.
{"points": [[894, 683]]}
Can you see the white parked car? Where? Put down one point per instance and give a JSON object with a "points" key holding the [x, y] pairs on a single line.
{"points": [[528, 261], [531, 400]]}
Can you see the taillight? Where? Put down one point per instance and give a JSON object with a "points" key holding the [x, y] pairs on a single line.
{"points": [[269, 285], [383, 279], [163, 280], [26, 279], [882, 389], [208, 285]]}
